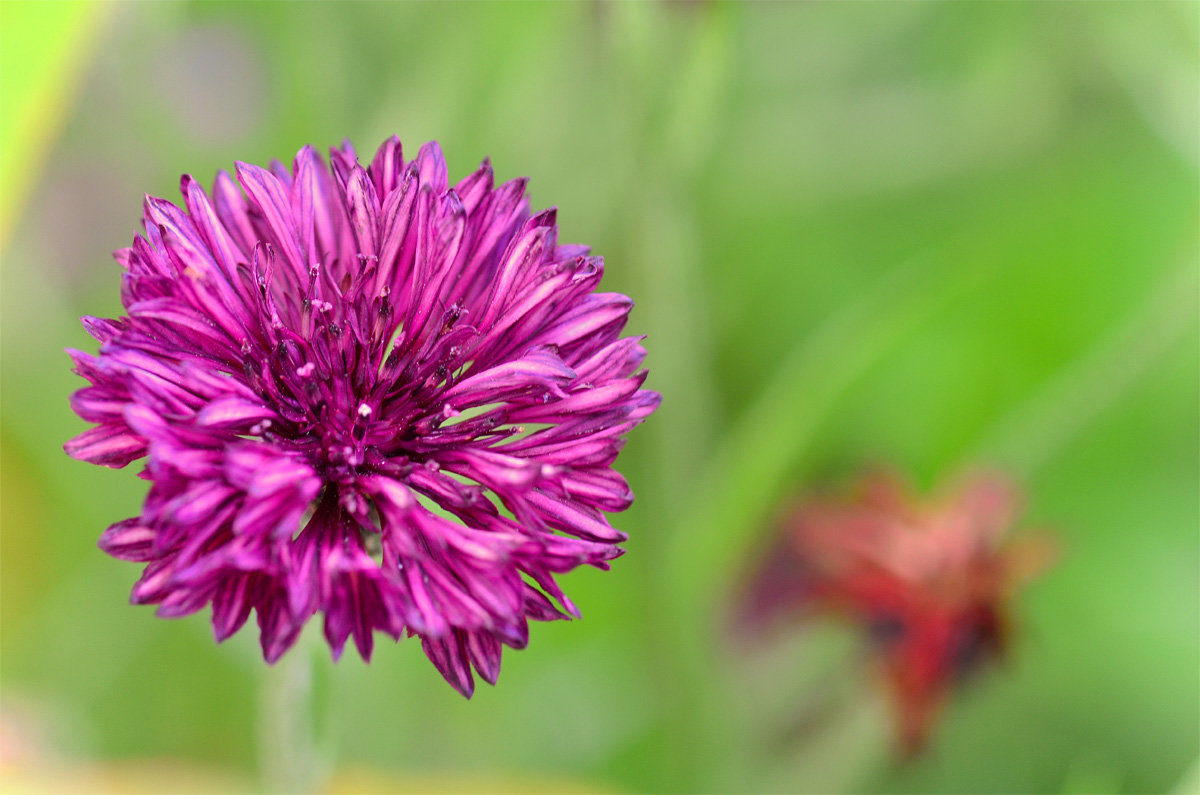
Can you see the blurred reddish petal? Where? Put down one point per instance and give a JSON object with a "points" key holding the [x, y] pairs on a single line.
{"points": [[928, 581]]}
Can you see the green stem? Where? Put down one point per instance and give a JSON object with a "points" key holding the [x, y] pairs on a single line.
{"points": [[289, 761]]}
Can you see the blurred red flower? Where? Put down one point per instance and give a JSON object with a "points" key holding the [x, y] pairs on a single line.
{"points": [[929, 580]]}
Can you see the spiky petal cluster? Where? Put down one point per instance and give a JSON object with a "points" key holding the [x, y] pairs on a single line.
{"points": [[929, 581], [364, 393]]}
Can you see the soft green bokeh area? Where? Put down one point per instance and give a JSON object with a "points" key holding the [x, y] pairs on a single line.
{"points": [[934, 235]]}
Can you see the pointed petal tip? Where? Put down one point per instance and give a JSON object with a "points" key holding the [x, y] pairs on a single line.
{"points": [[272, 652], [223, 632], [570, 607]]}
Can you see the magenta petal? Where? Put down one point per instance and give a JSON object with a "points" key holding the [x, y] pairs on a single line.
{"points": [[484, 651], [129, 540], [233, 411], [432, 167], [538, 371], [362, 206], [231, 604], [573, 518], [271, 199], [386, 167], [110, 444], [450, 657], [278, 626], [210, 228]]}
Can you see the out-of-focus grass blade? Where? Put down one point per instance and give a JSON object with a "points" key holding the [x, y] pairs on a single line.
{"points": [[43, 48], [1190, 782], [1088, 774], [1039, 427], [700, 91]]}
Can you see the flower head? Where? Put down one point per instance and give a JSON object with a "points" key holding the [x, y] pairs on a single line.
{"points": [[929, 581], [364, 393]]}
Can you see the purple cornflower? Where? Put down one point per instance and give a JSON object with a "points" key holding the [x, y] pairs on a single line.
{"points": [[364, 393]]}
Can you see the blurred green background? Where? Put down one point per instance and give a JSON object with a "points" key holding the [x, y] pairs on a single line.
{"points": [[928, 234]]}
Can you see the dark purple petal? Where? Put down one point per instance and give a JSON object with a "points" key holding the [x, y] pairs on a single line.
{"points": [[450, 657], [231, 604], [278, 627], [484, 651]]}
